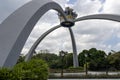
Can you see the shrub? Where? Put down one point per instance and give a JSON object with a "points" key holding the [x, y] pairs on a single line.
{"points": [[33, 70], [5, 74]]}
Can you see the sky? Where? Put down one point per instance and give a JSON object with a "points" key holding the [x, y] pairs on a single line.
{"points": [[100, 34]]}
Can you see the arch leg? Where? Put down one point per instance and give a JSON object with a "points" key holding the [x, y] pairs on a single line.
{"points": [[75, 57], [32, 49], [15, 30], [100, 16]]}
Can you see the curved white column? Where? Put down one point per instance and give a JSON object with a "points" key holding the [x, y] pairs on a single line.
{"points": [[75, 57], [31, 51], [100, 16], [15, 30], [37, 42]]}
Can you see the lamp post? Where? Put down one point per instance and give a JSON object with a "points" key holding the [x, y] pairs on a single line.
{"points": [[106, 58], [62, 54], [86, 70]]}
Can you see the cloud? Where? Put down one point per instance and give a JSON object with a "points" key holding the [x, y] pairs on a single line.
{"points": [[71, 1], [85, 7], [9, 6], [102, 1], [112, 6]]}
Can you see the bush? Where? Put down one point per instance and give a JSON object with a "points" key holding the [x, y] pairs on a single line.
{"points": [[77, 68], [5, 74], [32, 70]]}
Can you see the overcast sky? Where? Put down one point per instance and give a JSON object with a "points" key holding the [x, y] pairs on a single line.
{"points": [[100, 34]]}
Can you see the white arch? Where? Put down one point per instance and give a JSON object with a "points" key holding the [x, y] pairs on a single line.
{"points": [[112, 17], [37, 42], [75, 58], [15, 30]]}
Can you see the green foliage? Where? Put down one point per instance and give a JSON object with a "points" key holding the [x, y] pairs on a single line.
{"points": [[81, 57], [95, 58], [51, 59], [68, 60], [18, 72], [5, 74], [114, 61], [77, 68], [32, 70], [21, 59], [55, 61]]}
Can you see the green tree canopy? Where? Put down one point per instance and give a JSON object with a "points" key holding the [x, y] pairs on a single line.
{"points": [[114, 60], [95, 58]]}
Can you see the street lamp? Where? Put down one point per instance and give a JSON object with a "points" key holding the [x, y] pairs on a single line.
{"points": [[86, 70], [62, 54], [106, 58]]}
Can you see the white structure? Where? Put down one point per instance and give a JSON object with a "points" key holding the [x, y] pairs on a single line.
{"points": [[15, 30]]}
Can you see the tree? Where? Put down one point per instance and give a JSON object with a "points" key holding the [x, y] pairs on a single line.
{"points": [[69, 60], [50, 59], [81, 57], [114, 60], [21, 59], [35, 69], [95, 58]]}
